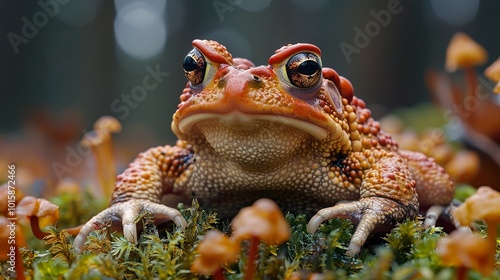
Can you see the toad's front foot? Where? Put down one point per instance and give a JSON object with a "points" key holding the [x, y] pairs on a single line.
{"points": [[370, 213], [127, 212]]}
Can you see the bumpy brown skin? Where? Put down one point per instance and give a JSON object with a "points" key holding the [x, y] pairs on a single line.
{"points": [[250, 132]]}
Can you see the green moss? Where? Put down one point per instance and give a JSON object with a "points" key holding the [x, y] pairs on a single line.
{"points": [[407, 252], [422, 116], [76, 209], [462, 192]]}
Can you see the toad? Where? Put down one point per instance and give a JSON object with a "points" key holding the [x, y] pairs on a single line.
{"points": [[291, 131]]}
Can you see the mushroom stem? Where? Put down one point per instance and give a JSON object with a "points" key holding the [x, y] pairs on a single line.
{"points": [[492, 240], [252, 257], [103, 156], [219, 274], [470, 77], [462, 272], [20, 242], [35, 228], [74, 230], [19, 265], [492, 233], [100, 142], [107, 165]]}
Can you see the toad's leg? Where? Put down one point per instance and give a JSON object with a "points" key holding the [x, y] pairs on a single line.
{"points": [[434, 186], [140, 187], [387, 196]]}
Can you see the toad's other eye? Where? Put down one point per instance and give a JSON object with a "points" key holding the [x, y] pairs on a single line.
{"points": [[304, 69], [195, 66]]}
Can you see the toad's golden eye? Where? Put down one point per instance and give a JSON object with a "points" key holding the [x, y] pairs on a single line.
{"points": [[195, 66], [304, 69]]}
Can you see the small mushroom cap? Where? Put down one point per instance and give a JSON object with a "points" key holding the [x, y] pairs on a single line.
{"points": [[46, 211], [215, 250], [103, 128], [108, 124], [263, 220], [463, 52], [463, 248], [493, 73], [483, 205]]}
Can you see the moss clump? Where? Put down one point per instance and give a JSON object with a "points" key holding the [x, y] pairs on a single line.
{"points": [[407, 252]]}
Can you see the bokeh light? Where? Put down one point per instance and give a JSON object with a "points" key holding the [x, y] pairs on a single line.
{"points": [[140, 28], [455, 12]]}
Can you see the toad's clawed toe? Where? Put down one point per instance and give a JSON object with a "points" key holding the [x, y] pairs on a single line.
{"points": [[128, 212], [369, 213]]}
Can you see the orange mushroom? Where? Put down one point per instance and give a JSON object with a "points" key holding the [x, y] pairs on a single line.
{"points": [[263, 221], [18, 207], [493, 73], [39, 211], [464, 53], [100, 141], [463, 166], [215, 250], [484, 205], [465, 250], [12, 238]]}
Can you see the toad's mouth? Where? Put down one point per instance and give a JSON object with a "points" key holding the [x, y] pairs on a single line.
{"points": [[240, 121]]}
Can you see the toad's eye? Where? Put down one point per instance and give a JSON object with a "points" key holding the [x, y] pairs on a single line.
{"points": [[304, 69], [194, 66]]}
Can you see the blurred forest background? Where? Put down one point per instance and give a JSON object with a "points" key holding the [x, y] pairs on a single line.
{"points": [[65, 63]]}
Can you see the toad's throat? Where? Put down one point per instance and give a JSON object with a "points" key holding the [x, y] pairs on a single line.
{"points": [[240, 121]]}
